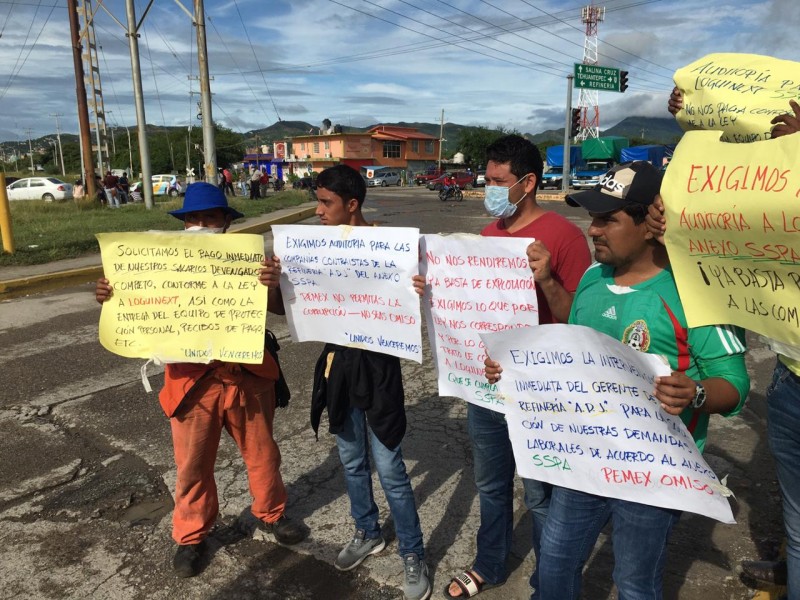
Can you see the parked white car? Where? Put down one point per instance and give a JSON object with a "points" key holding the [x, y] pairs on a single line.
{"points": [[39, 188]]}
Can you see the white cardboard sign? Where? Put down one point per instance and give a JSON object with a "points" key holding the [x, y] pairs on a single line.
{"points": [[475, 284], [581, 414], [351, 286]]}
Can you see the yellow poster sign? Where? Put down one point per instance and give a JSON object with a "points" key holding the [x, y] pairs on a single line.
{"points": [[733, 232], [737, 94], [184, 297]]}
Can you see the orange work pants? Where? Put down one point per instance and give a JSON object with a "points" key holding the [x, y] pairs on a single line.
{"points": [[245, 406]]}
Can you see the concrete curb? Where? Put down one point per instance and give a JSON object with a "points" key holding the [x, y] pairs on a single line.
{"points": [[14, 288], [45, 282]]}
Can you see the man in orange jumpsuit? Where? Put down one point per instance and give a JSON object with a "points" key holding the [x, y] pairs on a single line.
{"points": [[202, 399]]}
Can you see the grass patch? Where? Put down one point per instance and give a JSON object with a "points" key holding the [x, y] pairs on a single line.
{"points": [[48, 231]]}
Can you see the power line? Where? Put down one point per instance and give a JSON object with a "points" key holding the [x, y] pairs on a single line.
{"points": [[555, 34], [233, 59], [473, 40], [473, 50], [19, 56], [477, 31], [111, 81], [8, 18], [158, 99], [612, 9], [391, 51], [264, 79], [14, 2], [418, 46], [160, 68]]}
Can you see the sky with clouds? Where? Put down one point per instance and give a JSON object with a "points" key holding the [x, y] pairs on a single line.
{"points": [[359, 62]]}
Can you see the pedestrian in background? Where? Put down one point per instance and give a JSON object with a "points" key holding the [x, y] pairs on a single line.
{"points": [[123, 187], [110, 186], [242, 179], [228, 181], [255, 184]]}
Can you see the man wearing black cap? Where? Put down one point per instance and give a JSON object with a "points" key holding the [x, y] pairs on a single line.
{"points": [[631, 296], [202, 399]]}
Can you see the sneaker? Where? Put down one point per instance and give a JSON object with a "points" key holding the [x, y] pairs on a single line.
{"points": [[285, 530], [186, 562], [766, 571], [359, 548], [417, 586]]}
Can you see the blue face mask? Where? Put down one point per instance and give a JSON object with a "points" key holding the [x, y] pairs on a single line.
{"points": [[496, 200]]}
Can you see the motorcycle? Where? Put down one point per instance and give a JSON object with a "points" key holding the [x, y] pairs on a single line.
{"points": [[451, 192]]}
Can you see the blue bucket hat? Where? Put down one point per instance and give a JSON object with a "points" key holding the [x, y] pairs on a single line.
{"points": [[204, 196]]}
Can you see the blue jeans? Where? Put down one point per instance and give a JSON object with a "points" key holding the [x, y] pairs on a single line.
{"points": [[354, 442], [783, 428], [494, 478], [639, 536]]}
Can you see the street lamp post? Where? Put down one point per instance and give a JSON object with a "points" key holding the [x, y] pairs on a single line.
{"points": [[130, 153], [53, 145]]}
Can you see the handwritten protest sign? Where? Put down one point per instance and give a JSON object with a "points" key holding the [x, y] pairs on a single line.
{"points": [[475, 284], [184, 297], [581, 415], [352, 286], [733, 234], [737, 94]]}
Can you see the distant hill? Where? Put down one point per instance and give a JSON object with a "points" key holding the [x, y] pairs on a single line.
{"points": [[280, 130], [549, 136], [656, 130]]}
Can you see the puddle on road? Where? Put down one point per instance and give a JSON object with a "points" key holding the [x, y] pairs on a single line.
{"points": [[147, 513]]}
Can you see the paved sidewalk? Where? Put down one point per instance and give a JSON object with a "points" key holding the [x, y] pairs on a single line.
{"points": [[28, 279]]}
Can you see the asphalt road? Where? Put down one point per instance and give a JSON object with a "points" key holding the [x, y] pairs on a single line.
{"points": [[86, 471]]}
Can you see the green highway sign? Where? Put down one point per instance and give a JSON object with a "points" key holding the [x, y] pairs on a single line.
{"points": [[595, 77]]}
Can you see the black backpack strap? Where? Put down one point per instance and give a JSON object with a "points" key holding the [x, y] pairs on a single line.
{"points": [[282, 392]]}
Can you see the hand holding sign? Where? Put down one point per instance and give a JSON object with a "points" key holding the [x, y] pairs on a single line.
{"points": [[787, 123]]}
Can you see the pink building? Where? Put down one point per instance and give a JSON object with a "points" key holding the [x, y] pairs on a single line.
{"points": [[383, 145]]}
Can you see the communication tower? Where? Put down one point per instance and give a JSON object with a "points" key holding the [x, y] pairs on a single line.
{"points": [[588, 100]]}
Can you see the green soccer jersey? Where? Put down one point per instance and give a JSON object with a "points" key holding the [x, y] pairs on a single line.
{"points": [[649, 317]]}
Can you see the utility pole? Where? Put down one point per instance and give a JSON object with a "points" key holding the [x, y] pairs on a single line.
{"points": [[565, 167], [132, 33], [83, 109], [130, 153], [441, 139], [30, 151], [58, 136], [113, 142], [209, 145], [54, 146]]}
